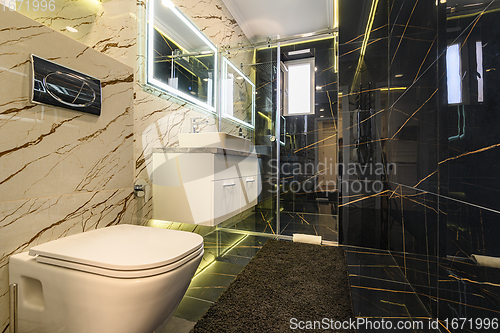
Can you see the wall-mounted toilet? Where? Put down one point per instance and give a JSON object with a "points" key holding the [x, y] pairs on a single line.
{"points": [[123, 279]]}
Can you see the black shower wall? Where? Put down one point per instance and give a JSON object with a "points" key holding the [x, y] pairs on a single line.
{"points": [[470, 158], [363, 111], [415, 55], [440, 201]]}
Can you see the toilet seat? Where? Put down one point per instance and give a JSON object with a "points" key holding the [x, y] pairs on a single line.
{"points": [[124, 251]]}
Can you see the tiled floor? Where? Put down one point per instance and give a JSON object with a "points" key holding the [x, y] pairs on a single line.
{"points": [[319, 221], [235, 251], [379, 288], [454, 288], [380, 292]]}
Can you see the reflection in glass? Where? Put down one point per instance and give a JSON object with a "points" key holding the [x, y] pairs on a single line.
{"points": [[238, 95], [453, 71], [479, 69]]}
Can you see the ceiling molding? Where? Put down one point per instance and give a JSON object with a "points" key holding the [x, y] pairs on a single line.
{"points": [[261, 18], [232, 7]]}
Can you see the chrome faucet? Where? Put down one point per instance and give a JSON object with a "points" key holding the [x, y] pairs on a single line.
{"points": [[197, 121]]}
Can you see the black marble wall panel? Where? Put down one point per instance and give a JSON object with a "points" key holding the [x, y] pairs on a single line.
{"points": [[413, 145], [440, 202], [413, 99], [363, 110], [413, 235], [468, 166]]}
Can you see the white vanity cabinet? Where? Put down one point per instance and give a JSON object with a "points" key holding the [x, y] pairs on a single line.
{"points": [[203, 185]]}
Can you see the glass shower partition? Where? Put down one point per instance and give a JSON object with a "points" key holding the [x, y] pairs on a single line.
{"points": [[249, 74], [298, 153], [309, 153]]}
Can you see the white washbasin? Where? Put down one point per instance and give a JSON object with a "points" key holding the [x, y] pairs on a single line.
{"points": [[214, 139]]}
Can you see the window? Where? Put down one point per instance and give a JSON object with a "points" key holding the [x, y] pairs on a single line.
{"points": [[298, 97]]}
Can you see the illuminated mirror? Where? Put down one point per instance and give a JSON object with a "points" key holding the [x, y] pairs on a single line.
{"points": [[181, 60], [238, 95]]}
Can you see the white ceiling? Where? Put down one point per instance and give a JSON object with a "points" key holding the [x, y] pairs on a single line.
{"points": [[260, 18]]}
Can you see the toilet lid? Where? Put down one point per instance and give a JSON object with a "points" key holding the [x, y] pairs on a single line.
{"points": [[122, 248]]}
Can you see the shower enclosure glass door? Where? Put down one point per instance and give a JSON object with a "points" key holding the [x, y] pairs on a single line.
{"points": [[295, 133], [259, 64], [308, 158]]}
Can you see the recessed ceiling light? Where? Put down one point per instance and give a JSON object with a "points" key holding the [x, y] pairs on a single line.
{"points": [[315, 69], [322, 116], [321, 110], [398, 75], [318, 88], [71, 29]]}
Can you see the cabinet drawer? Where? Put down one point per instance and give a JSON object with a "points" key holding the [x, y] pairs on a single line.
{"points": [[251, 190], [227, 197], [232, 166]]}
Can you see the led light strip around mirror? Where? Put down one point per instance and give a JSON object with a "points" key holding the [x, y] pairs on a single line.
{"points": [[225, 63], [150, 72]]}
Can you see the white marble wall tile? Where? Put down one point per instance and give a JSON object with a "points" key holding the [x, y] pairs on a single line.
{"points": [[25, 223], [74, 159], [108, 26], [162, 129], [112, 27], [76, 171], [158, 123], [213, 19], [46, 150], [61, 171]]}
